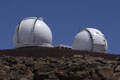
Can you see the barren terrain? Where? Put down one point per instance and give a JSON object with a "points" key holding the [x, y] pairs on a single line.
{"points": [[37, 63]]}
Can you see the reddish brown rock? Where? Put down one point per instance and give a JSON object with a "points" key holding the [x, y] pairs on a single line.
{"points": [[57, 64]]}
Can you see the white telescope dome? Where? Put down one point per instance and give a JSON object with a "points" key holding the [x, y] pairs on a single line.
{"points": [[32, 31], [90, 39]]}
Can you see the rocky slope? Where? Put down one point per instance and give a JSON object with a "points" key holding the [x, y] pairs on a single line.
{"points": [[76, 67]]}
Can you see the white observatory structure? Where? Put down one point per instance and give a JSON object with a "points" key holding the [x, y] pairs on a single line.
{"points": [[32, 31], [90, 39]]}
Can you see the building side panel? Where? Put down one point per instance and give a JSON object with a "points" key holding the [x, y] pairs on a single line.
{"points": [[25, 31]]}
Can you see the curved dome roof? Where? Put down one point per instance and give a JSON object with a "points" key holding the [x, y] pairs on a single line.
{"points": [[32, 31], [90, 39]]}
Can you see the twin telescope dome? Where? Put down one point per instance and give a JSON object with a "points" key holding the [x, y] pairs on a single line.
{"points": [[90, 39], [34, 31]]}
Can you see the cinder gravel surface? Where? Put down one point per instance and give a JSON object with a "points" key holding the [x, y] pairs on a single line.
{"points": [[77, 67]]}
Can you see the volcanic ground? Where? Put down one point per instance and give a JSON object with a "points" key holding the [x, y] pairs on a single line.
{"points": [[42, 63]]}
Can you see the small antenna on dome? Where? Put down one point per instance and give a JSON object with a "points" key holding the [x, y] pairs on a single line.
{"points": [[41, 18], [80, 29]]}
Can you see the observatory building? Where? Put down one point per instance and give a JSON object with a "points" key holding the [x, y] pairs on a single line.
{"points": [[32, 31], [90, 39]]}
